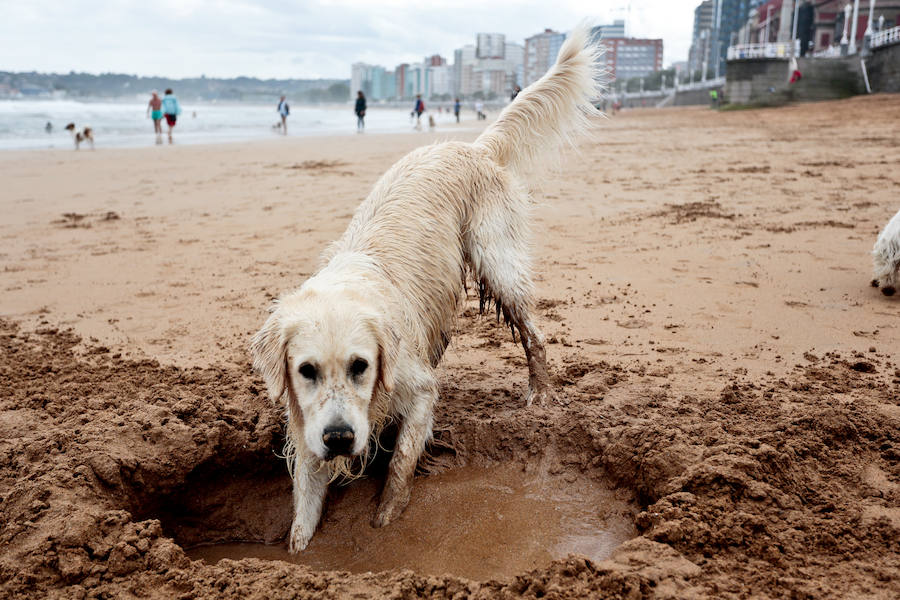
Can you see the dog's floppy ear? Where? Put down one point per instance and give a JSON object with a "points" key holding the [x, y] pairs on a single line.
{"points": [[268, 348], [388, 347]]}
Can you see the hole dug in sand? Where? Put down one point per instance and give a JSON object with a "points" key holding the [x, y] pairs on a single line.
{"points": [[475, 522]]}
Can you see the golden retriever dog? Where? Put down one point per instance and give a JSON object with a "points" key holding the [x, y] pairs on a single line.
{"points": [[357, 344], [886, 257]]}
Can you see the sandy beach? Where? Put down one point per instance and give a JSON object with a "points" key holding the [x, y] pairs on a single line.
{"points": [[724, 368]]}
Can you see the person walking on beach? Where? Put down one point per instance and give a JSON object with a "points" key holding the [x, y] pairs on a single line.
{"points": [[456, 107], [154, 111], [419, 109], [479, 110], [284, 110], [171, 109], [360, 111]]}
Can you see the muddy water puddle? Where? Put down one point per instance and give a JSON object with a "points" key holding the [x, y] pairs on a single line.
{"points": [[478, 523]]}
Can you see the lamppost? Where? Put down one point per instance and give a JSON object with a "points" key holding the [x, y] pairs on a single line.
{"points": [[796, 13], [869, 31], [853, 25], [718, 35], [844, 40]]}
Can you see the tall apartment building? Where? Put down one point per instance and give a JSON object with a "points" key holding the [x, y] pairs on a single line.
{"points": [[376, 82], [540, 54], [630, 57], [491, 67], [515, 64], [602, 32], [704, 21], [400, 78], [734, 15], [716, 26], [464, 61], [490, 45]]}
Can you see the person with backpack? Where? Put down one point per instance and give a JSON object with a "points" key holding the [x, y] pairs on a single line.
{"points": [[360, 111], [171, 109], [284, 110], [419, 109]]}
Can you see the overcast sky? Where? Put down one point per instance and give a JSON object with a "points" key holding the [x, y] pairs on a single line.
{"points": [[292, 38]]}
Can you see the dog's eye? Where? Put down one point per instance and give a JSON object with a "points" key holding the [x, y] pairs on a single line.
{"points": [[308, 371], [358, 367]]}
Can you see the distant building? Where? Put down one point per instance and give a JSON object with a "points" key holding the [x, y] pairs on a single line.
{"points": [[775, 17], [631, 57], [439, 81], [464, 61], [704, 21], [602, 32], [717, 25], [515, 64], [376, 82], [401, 75], [540, 53], [491, 45]]}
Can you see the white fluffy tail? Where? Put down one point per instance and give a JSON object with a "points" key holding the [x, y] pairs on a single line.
{"points": [[556, 108]]}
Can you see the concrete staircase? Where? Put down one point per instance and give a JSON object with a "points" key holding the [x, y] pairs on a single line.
{"points": [[764, 82]]}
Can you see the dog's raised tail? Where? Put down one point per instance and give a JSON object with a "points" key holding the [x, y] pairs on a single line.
{"points": [[556, 108]]}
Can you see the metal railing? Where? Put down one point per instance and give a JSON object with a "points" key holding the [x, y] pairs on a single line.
{"points": [[830, 52], [771, 50], [886, 37], [701, 85]]}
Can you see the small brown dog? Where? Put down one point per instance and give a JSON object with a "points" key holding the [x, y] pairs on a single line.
{"points": [[85, 135]]}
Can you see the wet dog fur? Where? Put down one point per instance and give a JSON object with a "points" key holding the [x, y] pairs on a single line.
{"points": [[357, 344], [886, 258]]}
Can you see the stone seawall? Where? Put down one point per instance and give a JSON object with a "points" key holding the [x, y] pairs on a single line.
{"points": [[765, 81], [883, 67]]}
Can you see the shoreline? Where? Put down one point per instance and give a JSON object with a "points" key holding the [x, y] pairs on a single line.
{"points": [[465, 128], [126, 125]]}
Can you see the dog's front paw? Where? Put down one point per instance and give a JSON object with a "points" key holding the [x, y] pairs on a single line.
{"points": [[389, 509], [299, 537]]}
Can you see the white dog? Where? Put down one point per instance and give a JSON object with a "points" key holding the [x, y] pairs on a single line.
{"points": [[84, 135], [886, 257], [358, 343]]}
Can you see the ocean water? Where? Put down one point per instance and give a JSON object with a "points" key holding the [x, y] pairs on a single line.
{"points": [[125, 124]]}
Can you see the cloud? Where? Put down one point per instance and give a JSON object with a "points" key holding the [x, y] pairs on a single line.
{"points": [[289, 39]]}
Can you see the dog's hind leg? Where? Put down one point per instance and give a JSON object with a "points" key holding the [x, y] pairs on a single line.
{"points": [[415, 432], [497, 247]]}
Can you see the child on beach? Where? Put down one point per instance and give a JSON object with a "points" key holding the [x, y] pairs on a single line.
{"points": [[154, 111], [171, 109], [284, 110]]}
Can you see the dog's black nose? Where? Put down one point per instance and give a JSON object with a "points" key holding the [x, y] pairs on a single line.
{"points": [[338, 439]]}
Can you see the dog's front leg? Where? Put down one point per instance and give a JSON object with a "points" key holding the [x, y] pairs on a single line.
{"points": [[414, 433], [310, 484]]}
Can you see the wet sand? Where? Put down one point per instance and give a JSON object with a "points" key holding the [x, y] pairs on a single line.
{"points": [[702, 280], [479, 523]]}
